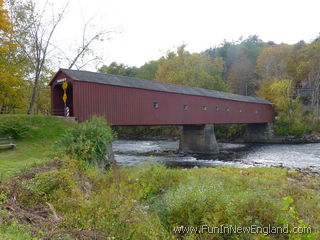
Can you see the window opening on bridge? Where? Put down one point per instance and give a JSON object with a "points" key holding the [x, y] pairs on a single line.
{"points": [[240, 110], [227, 109], [155, 105], [257, 111], [217, 108], [204, 108], [185, 107]]}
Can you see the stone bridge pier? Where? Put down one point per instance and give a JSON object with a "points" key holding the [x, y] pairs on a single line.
{"points": [[202, 139], [198, 139], [258, 133]]}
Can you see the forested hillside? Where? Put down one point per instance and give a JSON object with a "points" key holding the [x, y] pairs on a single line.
{"points": [[287, 75]]}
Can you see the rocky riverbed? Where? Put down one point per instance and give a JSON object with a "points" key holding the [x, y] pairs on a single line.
{"points": [[295, 156]]}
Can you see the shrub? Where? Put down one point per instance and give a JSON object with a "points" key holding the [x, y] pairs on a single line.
{"points": [[229, 131], [284, 127], [13, 127], [45, 186], [88, 142]]}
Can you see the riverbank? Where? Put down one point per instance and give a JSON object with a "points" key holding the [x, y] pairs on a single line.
{"points": [[58, 199], [308, 138]]}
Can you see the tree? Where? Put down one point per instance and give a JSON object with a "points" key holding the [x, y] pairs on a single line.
{"points": [[273, 62], [239, 63], [289, 119], [33, 31], [82, 54], [240, 76], [118, 69], [10, 75], [33, 34], [193, 70], [148, 70], [304, 69]]}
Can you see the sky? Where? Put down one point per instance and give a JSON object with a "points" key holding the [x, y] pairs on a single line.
{"points": [[144, 30]]}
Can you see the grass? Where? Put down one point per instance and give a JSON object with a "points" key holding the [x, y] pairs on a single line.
{"points": [[35, 147], [149, 201]]}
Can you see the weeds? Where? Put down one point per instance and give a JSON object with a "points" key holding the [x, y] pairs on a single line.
{"points": [[147, 202]]}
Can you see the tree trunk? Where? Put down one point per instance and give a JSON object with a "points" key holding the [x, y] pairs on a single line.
{"points": [[33, 95]]}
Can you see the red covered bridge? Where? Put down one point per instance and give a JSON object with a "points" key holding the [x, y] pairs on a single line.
{"points": [[125, 101]]}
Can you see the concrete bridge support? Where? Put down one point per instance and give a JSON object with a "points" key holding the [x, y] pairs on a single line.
{"points": [[258, 133], [198, 139]]}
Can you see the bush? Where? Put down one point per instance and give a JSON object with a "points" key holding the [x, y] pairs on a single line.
{"points": [[232, 197], [284, 127], [45, 186], [13, 127], [229, 131], [88, 142]]}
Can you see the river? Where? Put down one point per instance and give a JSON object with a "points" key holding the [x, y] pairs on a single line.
{"points": [[295, 156]]}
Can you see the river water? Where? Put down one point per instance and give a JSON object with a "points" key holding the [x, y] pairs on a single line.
{"points": [[295, 156]]}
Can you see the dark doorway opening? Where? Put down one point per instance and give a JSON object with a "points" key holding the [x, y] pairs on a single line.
{"points": [[57, 101]]}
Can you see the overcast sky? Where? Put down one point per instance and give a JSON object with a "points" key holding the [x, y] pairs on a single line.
{"points": [[148, 28]]}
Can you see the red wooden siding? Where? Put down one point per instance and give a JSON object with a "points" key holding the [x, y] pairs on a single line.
{"points": [[130, 106]]}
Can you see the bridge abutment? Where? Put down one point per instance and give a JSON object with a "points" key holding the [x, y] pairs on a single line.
{"points": [[258, 132], [198, 139]]}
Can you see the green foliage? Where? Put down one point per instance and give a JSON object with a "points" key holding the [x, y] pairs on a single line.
{"points": [[296, 128], [152, 131], [148, 70], [224, 197], [13, 127], [36, 146], [88, 141], [148, 201], [294, 221], [11, 83], [290, 120], [46, 186], [14, 232], [193, 70], [118, 69], [229, 131]]}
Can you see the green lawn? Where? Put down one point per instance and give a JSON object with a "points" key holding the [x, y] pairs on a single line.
{"points": [[35, 147]]}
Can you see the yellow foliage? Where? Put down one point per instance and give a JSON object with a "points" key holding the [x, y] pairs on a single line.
{"points": [[273, 61], [10, 82], [4, 20], [280, 93], [193, 70]]}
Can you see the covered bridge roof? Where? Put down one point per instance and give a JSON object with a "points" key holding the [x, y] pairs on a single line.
{"points": [[130, 82]]}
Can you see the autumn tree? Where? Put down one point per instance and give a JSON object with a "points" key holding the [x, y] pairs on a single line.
{"points": [[33, 33], [273, 62], [290, 119], [195, 70], [240, 76], [304, 68], [10, 75], [239, 63]]}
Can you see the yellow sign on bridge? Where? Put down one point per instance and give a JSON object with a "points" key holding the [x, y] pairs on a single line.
{"points": [[64, 87]]}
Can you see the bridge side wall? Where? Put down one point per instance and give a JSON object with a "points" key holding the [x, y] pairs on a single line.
{"points": [[130, 106]]}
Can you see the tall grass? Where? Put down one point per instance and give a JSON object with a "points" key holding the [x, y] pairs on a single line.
{"points": [[148, 202]]}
